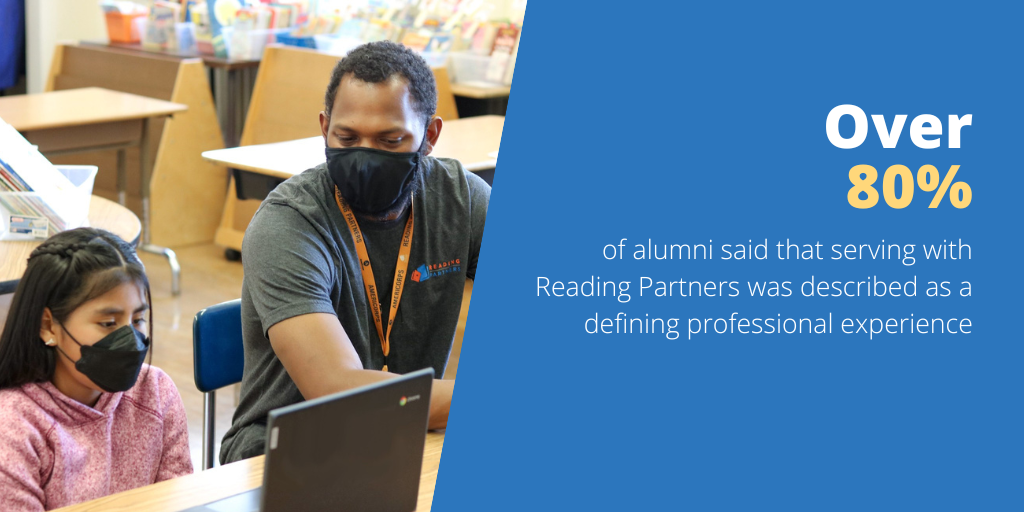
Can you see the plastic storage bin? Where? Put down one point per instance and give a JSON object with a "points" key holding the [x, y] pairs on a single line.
{"points": [[27, 208], [334, 45], [435, 59], [471, 69], [124, 28], [302, 42], [186, 35], [249, 44], [204, 39]]}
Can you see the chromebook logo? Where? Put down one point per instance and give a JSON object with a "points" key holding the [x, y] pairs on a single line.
{"points": [[402, 401]]}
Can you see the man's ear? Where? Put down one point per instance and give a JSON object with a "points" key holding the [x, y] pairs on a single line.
{"points": [[432, 134], [325, 125], [48, 327]]}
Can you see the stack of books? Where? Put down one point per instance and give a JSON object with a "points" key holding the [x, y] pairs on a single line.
{"points": [[213, 18], [161, 26], [32, 190]]}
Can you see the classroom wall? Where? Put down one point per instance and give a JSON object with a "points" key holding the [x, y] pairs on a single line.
{"points": [[48, 22]]}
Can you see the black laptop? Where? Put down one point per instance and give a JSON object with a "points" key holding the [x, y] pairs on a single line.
{"points": [[359, 450]]}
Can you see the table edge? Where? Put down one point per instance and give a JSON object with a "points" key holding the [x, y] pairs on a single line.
{"points": [[114, 119], [480, 93]]}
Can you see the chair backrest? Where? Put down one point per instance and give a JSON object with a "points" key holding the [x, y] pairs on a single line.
{"points": [[145, 74], [217, 345], [445, 97], [289, 94]]}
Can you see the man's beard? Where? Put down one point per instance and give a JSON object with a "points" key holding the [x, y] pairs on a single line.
{"points": [[412, 187]]}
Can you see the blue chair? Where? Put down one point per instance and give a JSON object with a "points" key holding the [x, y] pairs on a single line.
{"points": [[217, 348]]}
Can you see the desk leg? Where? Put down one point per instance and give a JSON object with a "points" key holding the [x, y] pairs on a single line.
{"points": [[238, 102], [209, 422], [122, 176], [147, 174], [248, 77], [220, 100]]}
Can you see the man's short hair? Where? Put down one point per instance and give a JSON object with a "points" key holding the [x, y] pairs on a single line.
{"points": [[377, 62]]}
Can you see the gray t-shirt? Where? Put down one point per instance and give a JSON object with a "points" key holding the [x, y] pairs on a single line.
{"points": [[299, 258]]}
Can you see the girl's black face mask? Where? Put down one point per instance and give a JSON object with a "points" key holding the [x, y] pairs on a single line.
{"points": [[113, 363], [371, 180]]}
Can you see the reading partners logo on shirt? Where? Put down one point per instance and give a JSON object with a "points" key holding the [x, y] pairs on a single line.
{"points": [[425, 272]]}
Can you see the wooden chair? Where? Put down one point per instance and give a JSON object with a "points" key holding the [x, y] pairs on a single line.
{"points": [[186, 192], [286, 101], [445, 98], [285, 105]]}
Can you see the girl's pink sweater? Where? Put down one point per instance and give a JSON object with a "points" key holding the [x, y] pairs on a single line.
{"points": [[55, 451]]}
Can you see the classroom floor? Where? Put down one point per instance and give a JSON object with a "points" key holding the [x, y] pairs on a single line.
{"points": [[207, 278]]}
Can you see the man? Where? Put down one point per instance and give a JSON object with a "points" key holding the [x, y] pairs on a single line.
{"points": [[327, 240]]}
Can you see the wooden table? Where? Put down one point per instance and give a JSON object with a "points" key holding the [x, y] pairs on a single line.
{"points": [[90, 119], [224, 481], [470, 140], [481, 93], [233, 80], [103, 214], [210, 60], [259, 168], [475, 100], [79, 108]]}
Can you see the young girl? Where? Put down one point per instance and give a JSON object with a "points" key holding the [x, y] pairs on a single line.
{"points": [[81, 416]]}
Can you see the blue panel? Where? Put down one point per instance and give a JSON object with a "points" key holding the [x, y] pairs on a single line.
{"points": [[12, 41]]}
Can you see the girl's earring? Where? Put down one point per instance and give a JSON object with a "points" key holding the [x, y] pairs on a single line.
{"points": [[51, 342]]}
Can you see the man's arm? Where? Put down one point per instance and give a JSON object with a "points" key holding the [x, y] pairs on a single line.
{"points": [[320, 359]]}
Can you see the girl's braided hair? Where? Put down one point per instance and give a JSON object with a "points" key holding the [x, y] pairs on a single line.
{"points": [[64, 272]]}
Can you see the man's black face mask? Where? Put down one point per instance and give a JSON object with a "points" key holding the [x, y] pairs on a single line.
{"points": [[375, 181], [371, 180]]}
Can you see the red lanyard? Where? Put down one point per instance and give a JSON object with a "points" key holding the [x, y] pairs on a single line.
{"points": [[368, 281]]}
